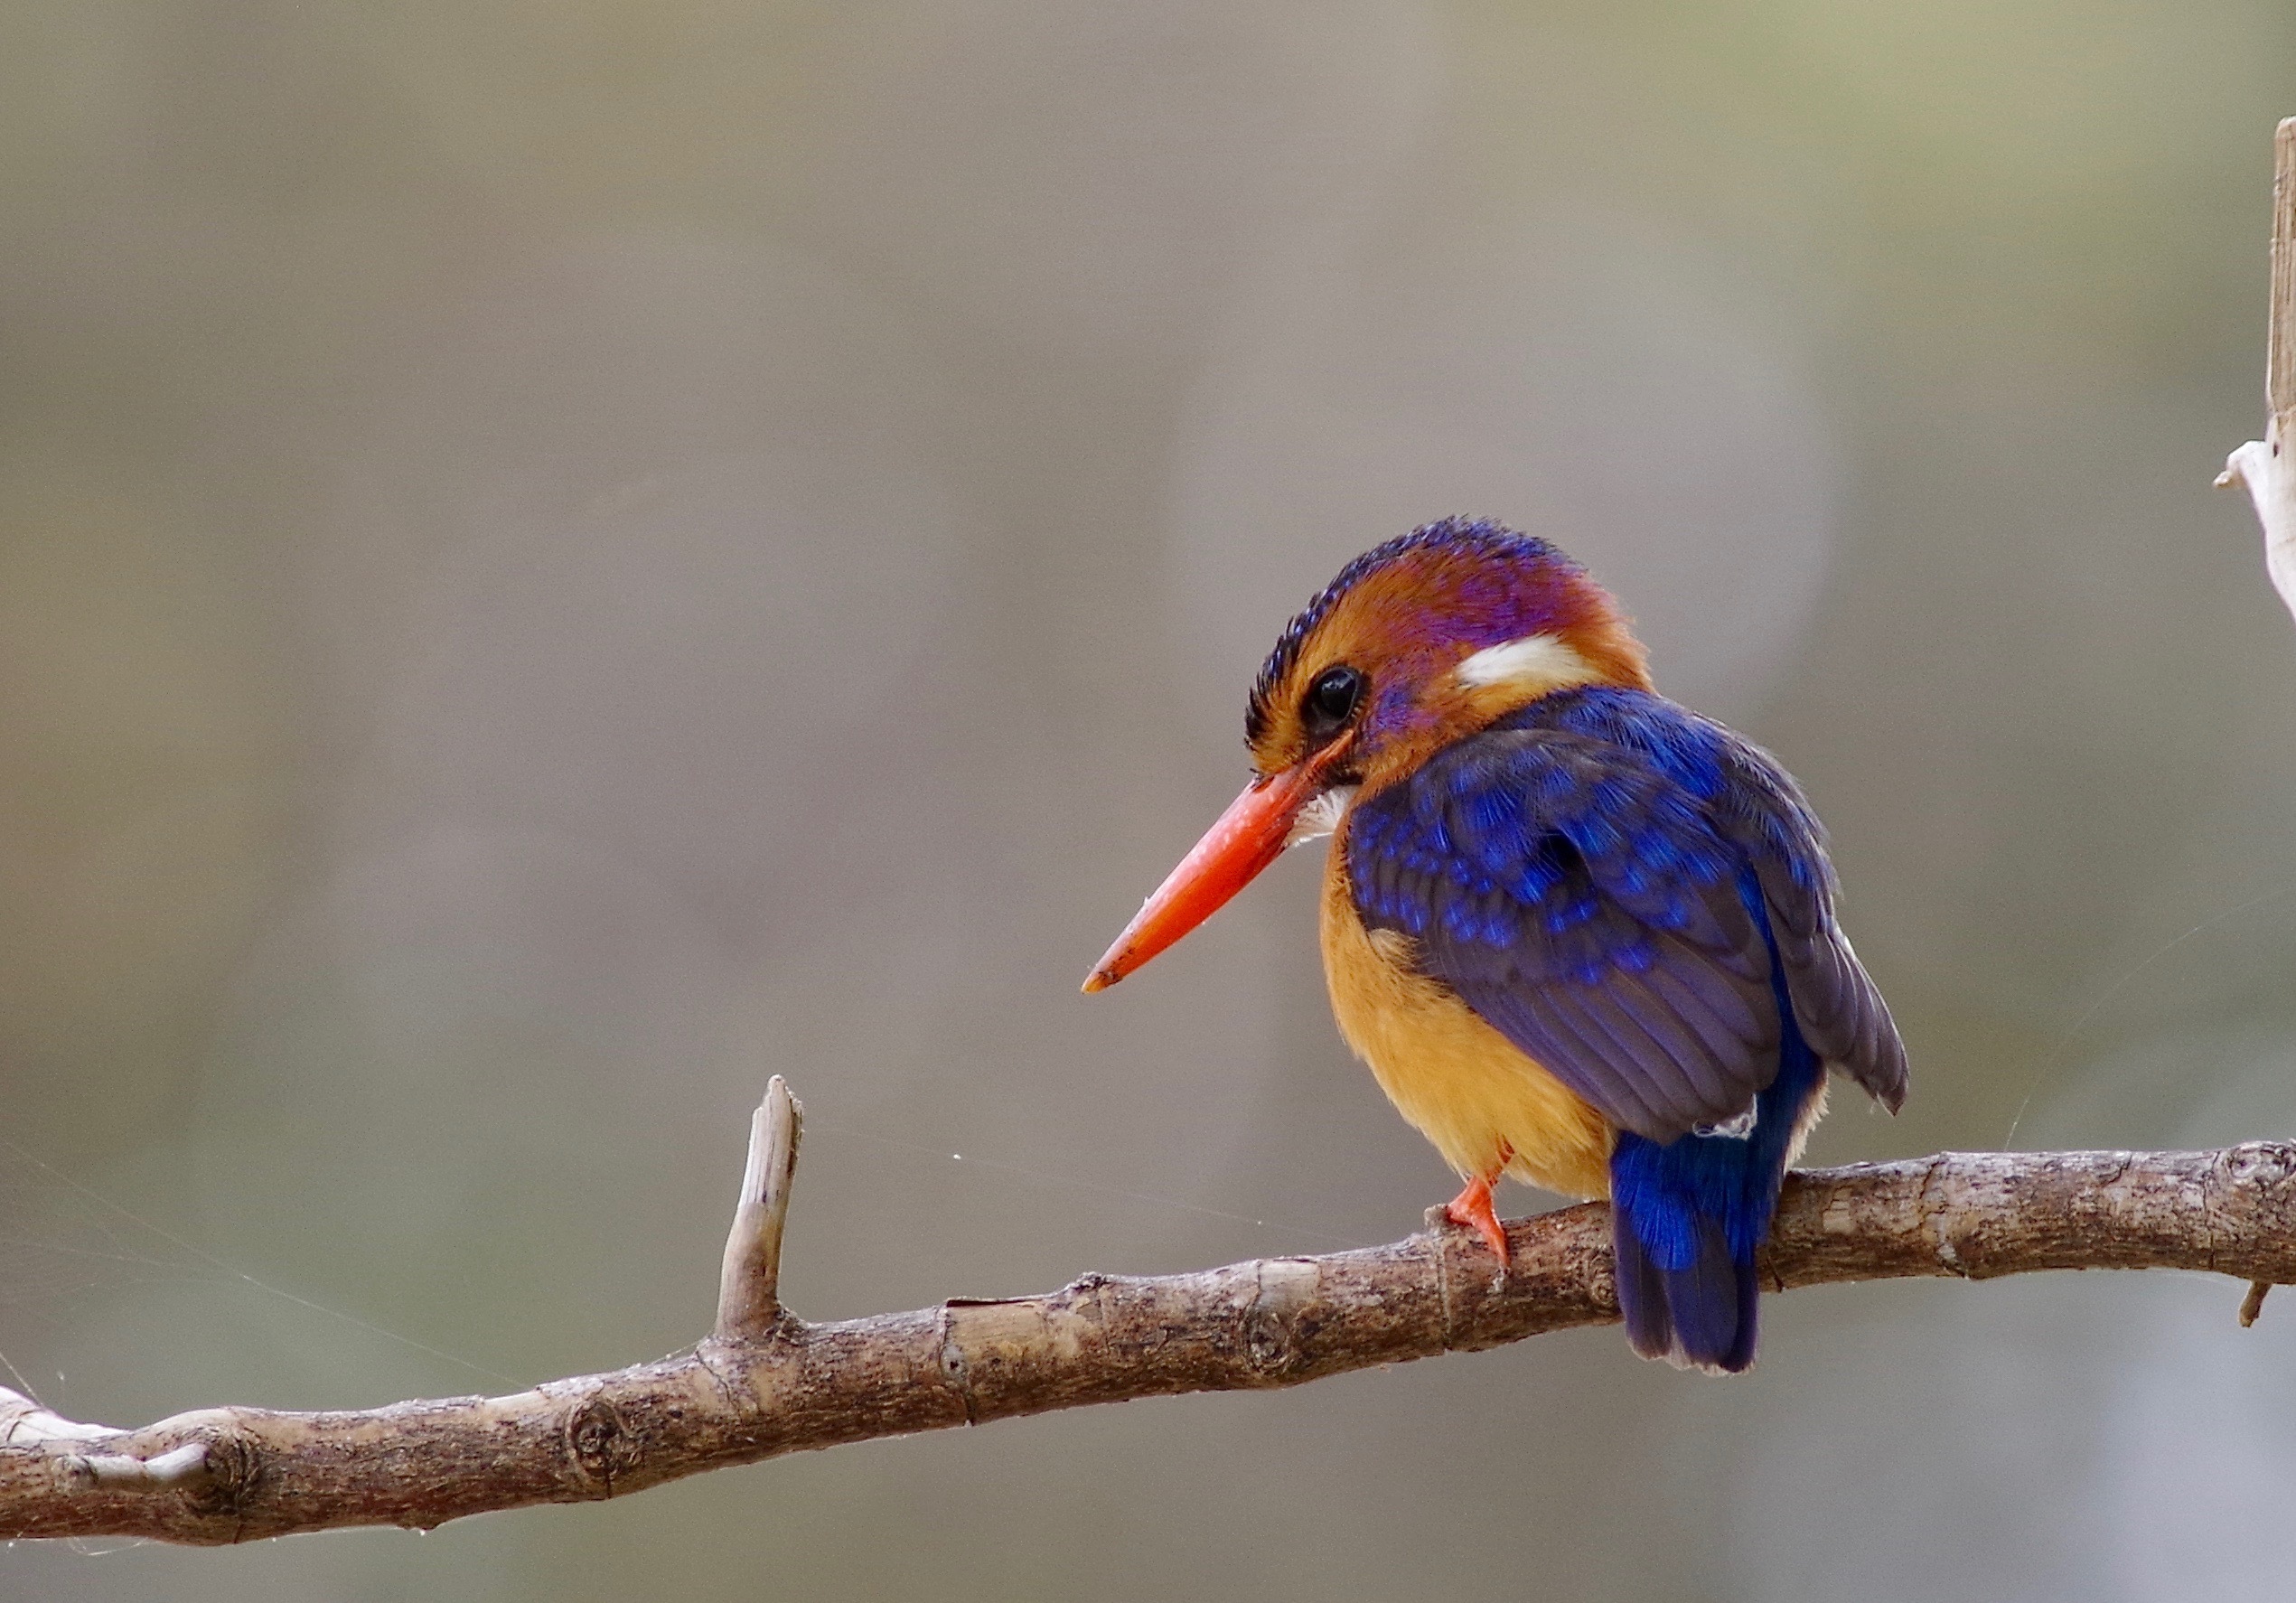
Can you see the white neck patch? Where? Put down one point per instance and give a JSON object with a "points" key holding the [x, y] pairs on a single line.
{"points": [[1320, 817], [1534, 662]]}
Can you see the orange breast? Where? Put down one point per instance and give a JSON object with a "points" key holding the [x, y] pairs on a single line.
{"points": [[1460, 1084]]}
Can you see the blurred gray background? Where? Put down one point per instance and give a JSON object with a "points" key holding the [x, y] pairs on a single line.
{"points": [[560, 559]]}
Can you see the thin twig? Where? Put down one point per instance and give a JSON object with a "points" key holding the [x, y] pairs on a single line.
{"points": [[2280, 351], [2263, 467], [2253, 1305]]}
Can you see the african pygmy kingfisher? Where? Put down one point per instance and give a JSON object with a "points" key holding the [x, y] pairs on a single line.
{"points": [[1582, 935]]}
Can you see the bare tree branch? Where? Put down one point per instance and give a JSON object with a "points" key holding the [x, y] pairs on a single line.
{"points": [[767, 1383]]}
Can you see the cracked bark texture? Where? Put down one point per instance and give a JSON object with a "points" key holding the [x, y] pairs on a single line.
{"points": [[791, 1386]]}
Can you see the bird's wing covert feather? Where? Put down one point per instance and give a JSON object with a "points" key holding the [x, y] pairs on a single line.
{"points": [[1592, 876]]}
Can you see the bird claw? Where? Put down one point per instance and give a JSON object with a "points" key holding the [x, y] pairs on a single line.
{"points": [[1471, 1210]]}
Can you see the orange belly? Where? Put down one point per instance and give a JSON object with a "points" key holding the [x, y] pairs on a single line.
{"points": [[1460, 1084]]}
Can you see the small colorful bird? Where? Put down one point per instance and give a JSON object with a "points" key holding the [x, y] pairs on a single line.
{"points": [[1582, 935]]}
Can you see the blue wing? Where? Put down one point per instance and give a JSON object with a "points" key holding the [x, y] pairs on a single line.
{"points": [[1612, 881]]}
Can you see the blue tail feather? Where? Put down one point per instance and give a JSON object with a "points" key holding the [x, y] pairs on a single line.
{"points": [[1687, 1220], [1688, 1215]]}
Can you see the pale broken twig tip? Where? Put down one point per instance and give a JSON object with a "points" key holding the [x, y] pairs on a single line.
{"points": [[186, 1466], [2253, 1305], [749, 1281]]}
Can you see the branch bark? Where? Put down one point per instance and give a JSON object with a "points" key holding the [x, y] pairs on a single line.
{"points": [[766, 1383]]}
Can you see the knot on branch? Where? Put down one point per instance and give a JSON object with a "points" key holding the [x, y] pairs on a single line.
{"points": [[2266, 1165], [601, 1444], [235, 1473]]}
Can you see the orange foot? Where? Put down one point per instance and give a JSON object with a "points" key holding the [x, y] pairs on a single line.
{"points": [[1472, 1209]]}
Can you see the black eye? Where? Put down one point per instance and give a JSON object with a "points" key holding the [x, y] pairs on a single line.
{"points": [[1332, 700]]}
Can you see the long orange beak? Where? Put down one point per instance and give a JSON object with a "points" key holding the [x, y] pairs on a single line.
{"points": [[1247, 837]]}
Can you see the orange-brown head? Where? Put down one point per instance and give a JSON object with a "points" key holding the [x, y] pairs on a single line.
{"points": [[1417, 643]]}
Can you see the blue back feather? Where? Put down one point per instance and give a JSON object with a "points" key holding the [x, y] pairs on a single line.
{"points": [[1640, 900]]}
